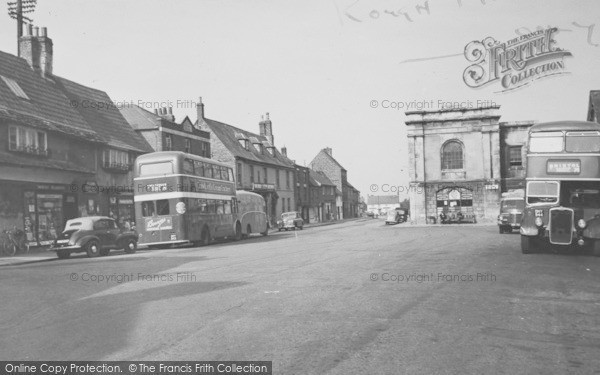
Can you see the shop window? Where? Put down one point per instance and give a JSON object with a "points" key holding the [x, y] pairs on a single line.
{"points": [[26, 140], [162, 207], [452, 155]]}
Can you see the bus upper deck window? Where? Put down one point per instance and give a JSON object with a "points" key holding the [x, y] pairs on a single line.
{"points": [[162, 207], [188, 166], [148, 208], [585, 141], [546, 142]]}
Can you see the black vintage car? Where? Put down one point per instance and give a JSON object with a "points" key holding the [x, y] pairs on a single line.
{"points": [[94, 235]]}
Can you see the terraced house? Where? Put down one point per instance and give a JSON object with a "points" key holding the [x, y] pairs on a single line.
{"points": [[61, 156], [258, 165]]}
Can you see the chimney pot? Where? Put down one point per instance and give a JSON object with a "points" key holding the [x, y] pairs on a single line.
{"points": [[170, 110], [36, 31], [156, 111], [267, 115], [44, 32], [29, 30]]}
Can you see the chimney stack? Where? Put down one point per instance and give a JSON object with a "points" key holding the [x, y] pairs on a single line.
{"points": [[37, 49], [266, 128], [166, 113], [200, 122], [328, 151], [284, 151]]}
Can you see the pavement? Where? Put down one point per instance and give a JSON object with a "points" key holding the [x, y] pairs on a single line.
{"points": [[360, 297]]}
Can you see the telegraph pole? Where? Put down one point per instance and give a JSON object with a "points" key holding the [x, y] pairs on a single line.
{"points": [[16, 9]]}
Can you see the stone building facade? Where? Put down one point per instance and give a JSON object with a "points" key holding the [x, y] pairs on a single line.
{"points": [[460, 160]]}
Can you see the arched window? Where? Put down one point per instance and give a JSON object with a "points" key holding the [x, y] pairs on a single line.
{"points": [[452, 155]]}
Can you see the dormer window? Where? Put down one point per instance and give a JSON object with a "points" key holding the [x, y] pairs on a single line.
{"points": [[258, 148], [15, 88], [271, 150], [243, 140]]}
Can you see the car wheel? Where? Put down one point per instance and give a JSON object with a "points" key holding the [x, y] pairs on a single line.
{"points": [[265, 233], [130, 246], [528, 244], [596, 248], [500, 229], [92, 249], [248, 231], [301, 227], [104, 252], [63, 254]]}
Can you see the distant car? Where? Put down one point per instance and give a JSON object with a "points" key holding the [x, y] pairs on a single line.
{"points": [[94, 235], [370, 214], [396, 216], [290, 220]]}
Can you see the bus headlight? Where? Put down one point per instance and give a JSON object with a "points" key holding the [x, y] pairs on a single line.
{"points": [[581, 223], [538, 221], [180, 208]]}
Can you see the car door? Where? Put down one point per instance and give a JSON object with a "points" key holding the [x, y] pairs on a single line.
{"points": [[101, 231], [112, 233]]}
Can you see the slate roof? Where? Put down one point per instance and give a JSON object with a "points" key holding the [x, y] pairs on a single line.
{"points": [[330, 157], [229, 134], [48, 107], [105, 118], [320, 178], [383, 199], [139, 118]]}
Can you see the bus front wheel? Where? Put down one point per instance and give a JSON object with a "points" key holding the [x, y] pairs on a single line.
{"points": [[238, 232], [205, 238], [527, 244]]}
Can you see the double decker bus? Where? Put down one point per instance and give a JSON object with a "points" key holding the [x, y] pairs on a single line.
{"points": [[183, 198], [562, 197]]}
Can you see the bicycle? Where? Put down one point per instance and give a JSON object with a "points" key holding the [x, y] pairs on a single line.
{"points": [[13, 241]]}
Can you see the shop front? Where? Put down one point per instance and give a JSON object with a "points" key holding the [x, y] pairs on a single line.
{"points": [[39, 210]]}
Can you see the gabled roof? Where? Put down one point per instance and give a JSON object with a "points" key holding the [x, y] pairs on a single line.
{"points": [[324, 152], [48, 107], [229, 135], [383, 199], [594, 106], [139, 118], [104, 117], [320, 178]]}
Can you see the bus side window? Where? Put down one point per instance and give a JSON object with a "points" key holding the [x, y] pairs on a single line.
{"points": [[188, 166], [234, 205], [227, 207], [199, 168], [220, 208], [208, 172], [162, 207], [230, 172], [224, 174], [148, 208]]}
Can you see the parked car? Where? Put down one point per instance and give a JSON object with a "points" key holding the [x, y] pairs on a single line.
{"points": [[94, 235], [290, 220], [511, 213], [370, 214]]}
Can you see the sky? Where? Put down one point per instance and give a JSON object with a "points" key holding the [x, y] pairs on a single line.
{"points": [[324, 70]]}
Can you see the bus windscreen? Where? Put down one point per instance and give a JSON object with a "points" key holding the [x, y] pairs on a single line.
{"points": [[542, 192], [154, 169]]}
